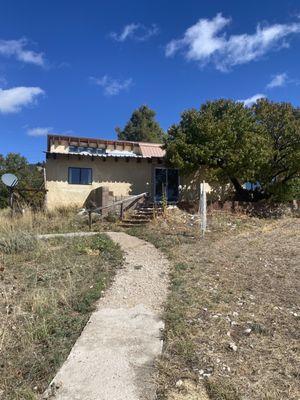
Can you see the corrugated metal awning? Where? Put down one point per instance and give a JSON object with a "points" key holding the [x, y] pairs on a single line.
{"points": [[105, 155]]}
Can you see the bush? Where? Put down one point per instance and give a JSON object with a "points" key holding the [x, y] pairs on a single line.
{"points": [[112, 217], [16, 242]]}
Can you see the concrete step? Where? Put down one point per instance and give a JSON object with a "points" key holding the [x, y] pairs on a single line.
{"points": [[148, 212], [127, 225], [149, 208], [135, 221], [141, 216]]}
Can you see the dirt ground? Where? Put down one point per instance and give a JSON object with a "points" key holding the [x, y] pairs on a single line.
{"points": [[233, 311]]}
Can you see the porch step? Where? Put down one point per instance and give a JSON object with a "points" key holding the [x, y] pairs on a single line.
{"points": [[129, 225], [134, 221], [149, 211], [141, 215]]}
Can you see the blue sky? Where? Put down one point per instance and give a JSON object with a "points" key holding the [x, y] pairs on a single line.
{"points": [[82, 67]]}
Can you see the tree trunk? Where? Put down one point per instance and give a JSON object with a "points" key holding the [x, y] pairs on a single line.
{"points": [[247, 195], [241, 193]]}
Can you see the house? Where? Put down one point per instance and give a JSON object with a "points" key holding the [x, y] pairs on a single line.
{"points": [[75, 166]]}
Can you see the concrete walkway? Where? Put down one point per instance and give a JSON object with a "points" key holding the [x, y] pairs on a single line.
{"points": [[114, 358]]}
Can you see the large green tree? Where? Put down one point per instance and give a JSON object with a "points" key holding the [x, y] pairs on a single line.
{"points": [[29, 176], [238, 144], [222, 135], [142, 127], [280, 122]]}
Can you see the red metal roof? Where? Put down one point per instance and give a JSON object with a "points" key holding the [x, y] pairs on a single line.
{"points": [[152, 150]]}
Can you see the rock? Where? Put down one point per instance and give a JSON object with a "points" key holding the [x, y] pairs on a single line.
{"points": [[82, 211], [179, 383], [232, 346]]}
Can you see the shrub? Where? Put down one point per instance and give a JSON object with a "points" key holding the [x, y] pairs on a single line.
{"points": [[15, 242], [112, 217]]}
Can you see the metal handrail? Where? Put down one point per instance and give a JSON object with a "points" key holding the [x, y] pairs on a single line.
{"points": [[132, 199]]}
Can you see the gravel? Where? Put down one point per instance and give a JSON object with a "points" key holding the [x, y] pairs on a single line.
{"points": [[114, 358], [144, 279]]}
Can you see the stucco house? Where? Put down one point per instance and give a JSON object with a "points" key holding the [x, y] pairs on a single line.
{"points": [[75, 166]]}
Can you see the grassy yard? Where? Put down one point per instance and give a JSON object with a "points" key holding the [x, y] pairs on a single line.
{"points": [[58, 221], [47, 292], [232, 315], [233, 312]]}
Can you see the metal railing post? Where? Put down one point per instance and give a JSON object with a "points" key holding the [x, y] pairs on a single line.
{"points": [[90, 220]]}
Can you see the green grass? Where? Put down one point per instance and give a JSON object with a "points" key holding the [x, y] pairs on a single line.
{"points": [[48, 294]]}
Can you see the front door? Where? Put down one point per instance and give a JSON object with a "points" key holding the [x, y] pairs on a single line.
{"points": [[166, 181]]}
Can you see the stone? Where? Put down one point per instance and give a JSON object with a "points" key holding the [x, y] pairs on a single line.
{"points": [[179, 383], [233, 346]]}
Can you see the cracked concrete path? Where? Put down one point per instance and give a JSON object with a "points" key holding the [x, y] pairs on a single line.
{"points": [[114, 358]]}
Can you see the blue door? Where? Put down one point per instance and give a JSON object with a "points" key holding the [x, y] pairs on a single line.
{"points": [[166, 181]]}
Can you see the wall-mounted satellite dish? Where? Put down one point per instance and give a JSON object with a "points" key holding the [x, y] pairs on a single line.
{"points": [[9, 180]]}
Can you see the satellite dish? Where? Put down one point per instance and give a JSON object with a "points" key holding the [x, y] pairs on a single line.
{"points": [[9, 180]]}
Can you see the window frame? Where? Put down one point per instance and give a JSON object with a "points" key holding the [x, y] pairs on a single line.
{"points": [[80, 175]]}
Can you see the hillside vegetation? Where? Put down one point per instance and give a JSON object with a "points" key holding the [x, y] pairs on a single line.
{"points": [[232, 317]]}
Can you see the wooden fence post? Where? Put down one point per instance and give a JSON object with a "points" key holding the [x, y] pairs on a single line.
{"points": [[90, 220]]}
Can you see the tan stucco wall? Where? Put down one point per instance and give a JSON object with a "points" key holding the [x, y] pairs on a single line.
{"points": [[190, 186], [123, 179]]}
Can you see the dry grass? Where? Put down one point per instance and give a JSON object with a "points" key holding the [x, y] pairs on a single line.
{"points": [[232, 318], [60, 220], [46, 296]]}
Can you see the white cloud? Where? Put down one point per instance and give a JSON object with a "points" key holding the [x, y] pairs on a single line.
{"points": [[205, 42], [278, 81], [200, 41], [17, 49], [135, 31], [252, 100], [14, 99], [127, 32], [111, 86], [39, 131]]}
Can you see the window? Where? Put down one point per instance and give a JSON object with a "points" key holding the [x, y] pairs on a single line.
{"points": [[80, 176]]}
